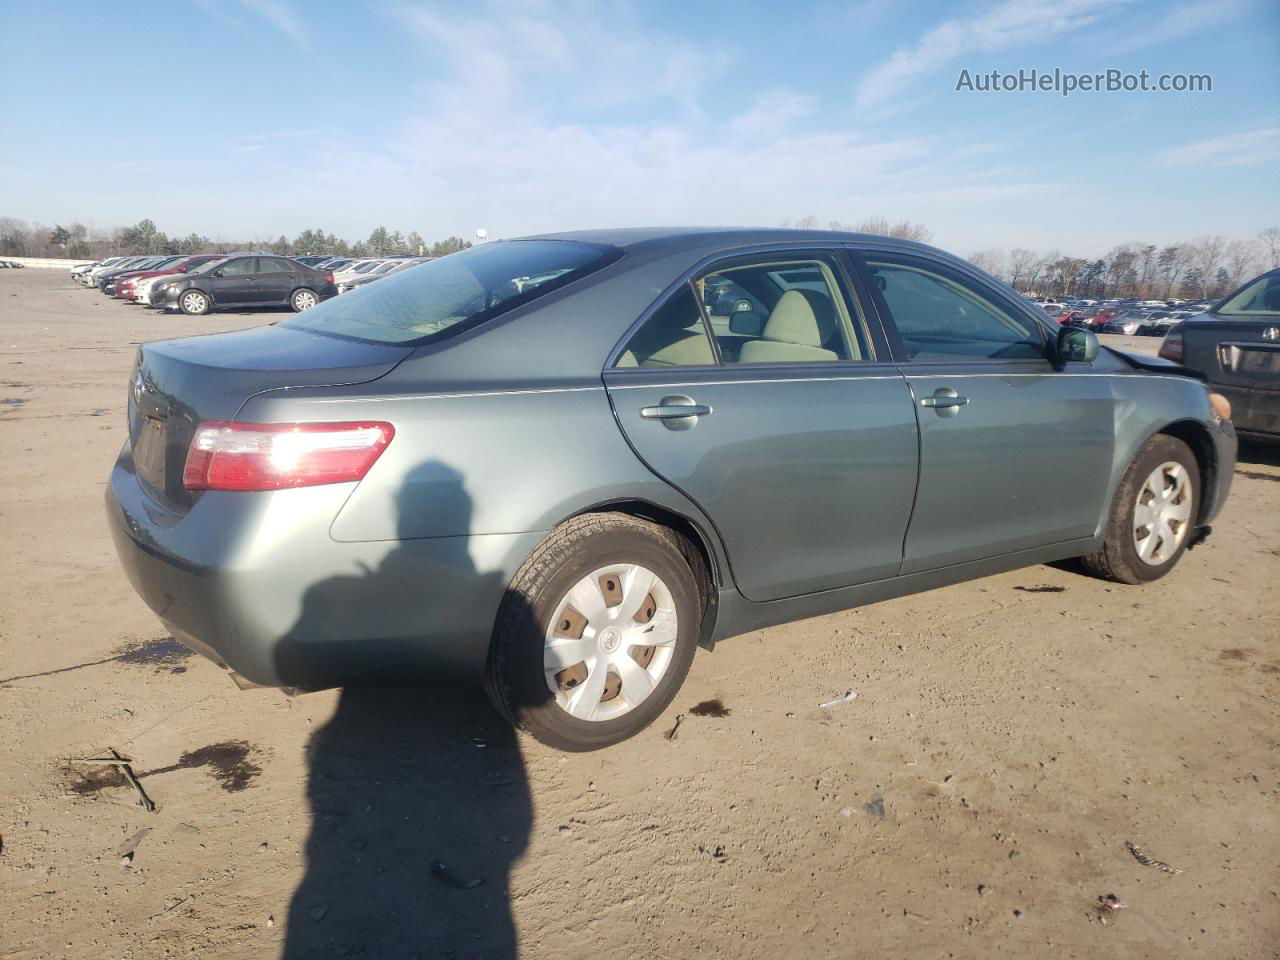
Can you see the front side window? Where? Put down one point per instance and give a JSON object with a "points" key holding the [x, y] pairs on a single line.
{"points": [[941, 316], [467, 287], [241, 267]]}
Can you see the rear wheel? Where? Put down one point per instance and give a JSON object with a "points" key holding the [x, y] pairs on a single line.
{"points": [[596, 632], [303, 299], [1153, 514], [194, 302]]}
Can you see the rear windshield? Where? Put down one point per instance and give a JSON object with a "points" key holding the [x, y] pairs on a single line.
{"points": [[1259, 298], [463, 288]]}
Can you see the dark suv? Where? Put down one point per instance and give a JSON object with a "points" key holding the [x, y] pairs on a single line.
{"points": [[246, 281]]}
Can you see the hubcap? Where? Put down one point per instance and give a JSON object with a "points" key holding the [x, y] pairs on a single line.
{"points": [[610, 642], [1162, 514], [306, 301], [194, 302]]}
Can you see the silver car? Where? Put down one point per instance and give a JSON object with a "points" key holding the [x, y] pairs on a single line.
{"points": [[563, 463]]}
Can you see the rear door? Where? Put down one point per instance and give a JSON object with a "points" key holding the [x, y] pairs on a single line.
{"points": [[276, 279], [795, 435], [1014, 452]]}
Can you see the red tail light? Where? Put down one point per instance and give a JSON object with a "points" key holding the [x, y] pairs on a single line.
{"points": [[1171, 349], [272, 456], [328, 278]]}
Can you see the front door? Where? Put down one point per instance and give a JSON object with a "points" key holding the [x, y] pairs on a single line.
{"points": [[234, 281], [1014, 453], [794, 438]]}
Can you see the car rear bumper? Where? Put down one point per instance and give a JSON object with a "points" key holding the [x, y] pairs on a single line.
{"points": [[1254, 411], [255, 583]]}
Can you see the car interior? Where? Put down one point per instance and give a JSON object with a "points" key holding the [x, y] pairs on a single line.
{"points": [[760, 313]]}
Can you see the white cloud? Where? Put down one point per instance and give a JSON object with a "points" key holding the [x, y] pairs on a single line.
{"points": [[1181, 20], [595, 118], [1005, 25], [282, 16], [1232, 150]]}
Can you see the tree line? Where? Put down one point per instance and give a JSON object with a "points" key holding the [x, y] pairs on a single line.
{"points": [[1205, 268], [18, 238]]}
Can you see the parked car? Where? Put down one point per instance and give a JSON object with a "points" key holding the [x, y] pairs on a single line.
{"points": [[386, 270], [567, 486], [1127, 323], [313, 260], [377, 271], [90, 279], [356, 268], [244, 281], [107, 280], [127, 285], [1236, 347]]}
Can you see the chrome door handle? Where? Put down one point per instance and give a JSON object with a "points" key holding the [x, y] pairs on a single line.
{"points": [[945, 401], [676, 412]]}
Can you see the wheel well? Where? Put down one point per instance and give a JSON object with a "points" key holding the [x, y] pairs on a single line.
{"points": [[693, 542], [1195, 436]]}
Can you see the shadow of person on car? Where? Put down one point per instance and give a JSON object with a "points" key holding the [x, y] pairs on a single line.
{"points": [[418, 798]]}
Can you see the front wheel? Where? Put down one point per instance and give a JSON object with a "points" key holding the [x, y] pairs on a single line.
{"points": [[194, 302], [1153, 514], [596, 632], [303, 299]]}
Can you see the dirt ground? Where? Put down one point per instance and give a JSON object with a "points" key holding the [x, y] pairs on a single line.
{"points": [[1007, 739]]}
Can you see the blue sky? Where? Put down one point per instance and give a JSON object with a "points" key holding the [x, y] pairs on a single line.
{"points": [[250, 118]]}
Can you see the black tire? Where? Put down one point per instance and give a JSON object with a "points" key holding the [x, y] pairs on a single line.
{"points": [[194, 303], [1119, 559], [514, 675], [308, 297]]}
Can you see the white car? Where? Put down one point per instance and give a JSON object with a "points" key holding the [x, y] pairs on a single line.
{"points": [[356, 279], [357, 268]]}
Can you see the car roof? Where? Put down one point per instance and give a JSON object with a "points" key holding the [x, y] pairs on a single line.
{"points": [[659, 240]]}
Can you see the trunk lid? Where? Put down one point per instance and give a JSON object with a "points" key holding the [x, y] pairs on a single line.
{"points": [[1237, 353], [176, 384]]}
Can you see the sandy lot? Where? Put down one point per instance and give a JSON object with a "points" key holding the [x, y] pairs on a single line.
{"points": [[1009, 736]]}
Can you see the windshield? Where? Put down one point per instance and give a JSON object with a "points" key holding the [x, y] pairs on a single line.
{"points": [[1261, 298], [463, 288]]}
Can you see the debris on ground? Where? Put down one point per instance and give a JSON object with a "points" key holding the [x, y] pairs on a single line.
{"points": [[1147, 861], [129, 846], [849, 697], [1108, 905], [447, 876], [671, 734], [875, 806], [122, 764], [709, 708]]}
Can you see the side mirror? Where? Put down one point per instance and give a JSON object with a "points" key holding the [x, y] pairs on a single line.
{"points": [[1077, 345], [217, 273]]}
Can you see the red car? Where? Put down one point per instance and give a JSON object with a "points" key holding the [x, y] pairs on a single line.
{"points": [[125, 284]]}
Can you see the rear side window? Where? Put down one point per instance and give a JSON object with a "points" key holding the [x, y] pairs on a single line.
{"points": [[266, 265], [459, 290], [941, 315], [674, 336]]}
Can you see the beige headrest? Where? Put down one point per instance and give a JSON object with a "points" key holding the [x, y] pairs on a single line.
{"points": [[801, 316]]}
